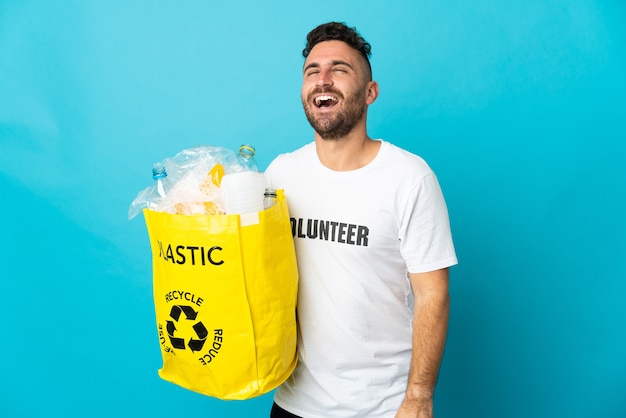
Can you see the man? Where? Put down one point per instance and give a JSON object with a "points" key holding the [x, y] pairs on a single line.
{"points": [[373, 244]]}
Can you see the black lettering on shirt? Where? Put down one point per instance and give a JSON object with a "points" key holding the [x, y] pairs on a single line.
{"points": [[341, 232]]}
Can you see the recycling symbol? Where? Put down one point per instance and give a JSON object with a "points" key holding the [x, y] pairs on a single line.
{"points": [[199, 328]]}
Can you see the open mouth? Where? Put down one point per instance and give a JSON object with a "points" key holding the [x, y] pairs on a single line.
{"points": [[325, 100]]}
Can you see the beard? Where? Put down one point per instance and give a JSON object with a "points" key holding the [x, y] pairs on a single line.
{"points": [[342, 121]]}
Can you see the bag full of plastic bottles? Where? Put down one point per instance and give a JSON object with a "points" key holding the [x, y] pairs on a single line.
{"points": [[224, 273]]}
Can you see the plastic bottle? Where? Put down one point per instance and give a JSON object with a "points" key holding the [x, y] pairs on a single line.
{"points": [[151, 197], [162, 184], [246, 158], [269, 198], [242, 190]]}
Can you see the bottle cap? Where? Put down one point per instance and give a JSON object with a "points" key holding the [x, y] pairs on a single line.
{"points": [[158, 171]]}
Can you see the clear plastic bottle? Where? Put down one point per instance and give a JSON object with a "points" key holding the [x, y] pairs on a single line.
{"points": [[162, 184], [151, 197], [246, 158], [269, 198]]}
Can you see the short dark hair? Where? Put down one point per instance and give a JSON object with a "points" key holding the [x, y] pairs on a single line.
{"points": [[337, 31]]}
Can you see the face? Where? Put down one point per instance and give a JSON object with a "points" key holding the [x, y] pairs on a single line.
{"points": [[335, 89]]}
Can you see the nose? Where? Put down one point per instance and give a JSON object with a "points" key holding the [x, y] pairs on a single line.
{"points": [[324, 78]]}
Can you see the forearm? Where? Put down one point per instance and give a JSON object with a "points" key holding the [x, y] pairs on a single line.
{"points": [[430, 326]]}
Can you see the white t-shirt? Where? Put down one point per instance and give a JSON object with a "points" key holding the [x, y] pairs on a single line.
{"points": [[357, 234]]}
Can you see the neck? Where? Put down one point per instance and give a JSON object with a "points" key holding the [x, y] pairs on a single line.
{"points": [[351, 152]]}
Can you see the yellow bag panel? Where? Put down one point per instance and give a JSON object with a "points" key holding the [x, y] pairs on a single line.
{"points": [[225, 299]]}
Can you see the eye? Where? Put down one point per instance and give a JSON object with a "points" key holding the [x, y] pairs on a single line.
{"points": [[311, 72], [340, 70]]}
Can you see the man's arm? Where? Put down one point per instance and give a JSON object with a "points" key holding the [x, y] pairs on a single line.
{"points": [[430, 326]]}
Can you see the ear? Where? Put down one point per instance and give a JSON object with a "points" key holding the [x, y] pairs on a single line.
{"points": [[372, 92]]}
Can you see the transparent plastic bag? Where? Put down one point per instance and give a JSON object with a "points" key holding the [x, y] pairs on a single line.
{"points": [[195, 175]]}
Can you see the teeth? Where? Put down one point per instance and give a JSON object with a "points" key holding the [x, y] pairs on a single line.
{"points": [[320, 99]]}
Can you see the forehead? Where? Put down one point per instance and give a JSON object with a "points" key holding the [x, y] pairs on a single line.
{"points": [[329, 51]]}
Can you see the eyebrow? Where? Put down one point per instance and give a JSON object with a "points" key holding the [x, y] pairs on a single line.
{"points": [[333, 63]]}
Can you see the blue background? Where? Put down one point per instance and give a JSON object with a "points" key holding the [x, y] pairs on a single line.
{"points": [[519, 106]]}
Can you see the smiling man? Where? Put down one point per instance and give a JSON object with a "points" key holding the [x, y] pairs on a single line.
{"points": [[373, 244], [333, 114]]}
